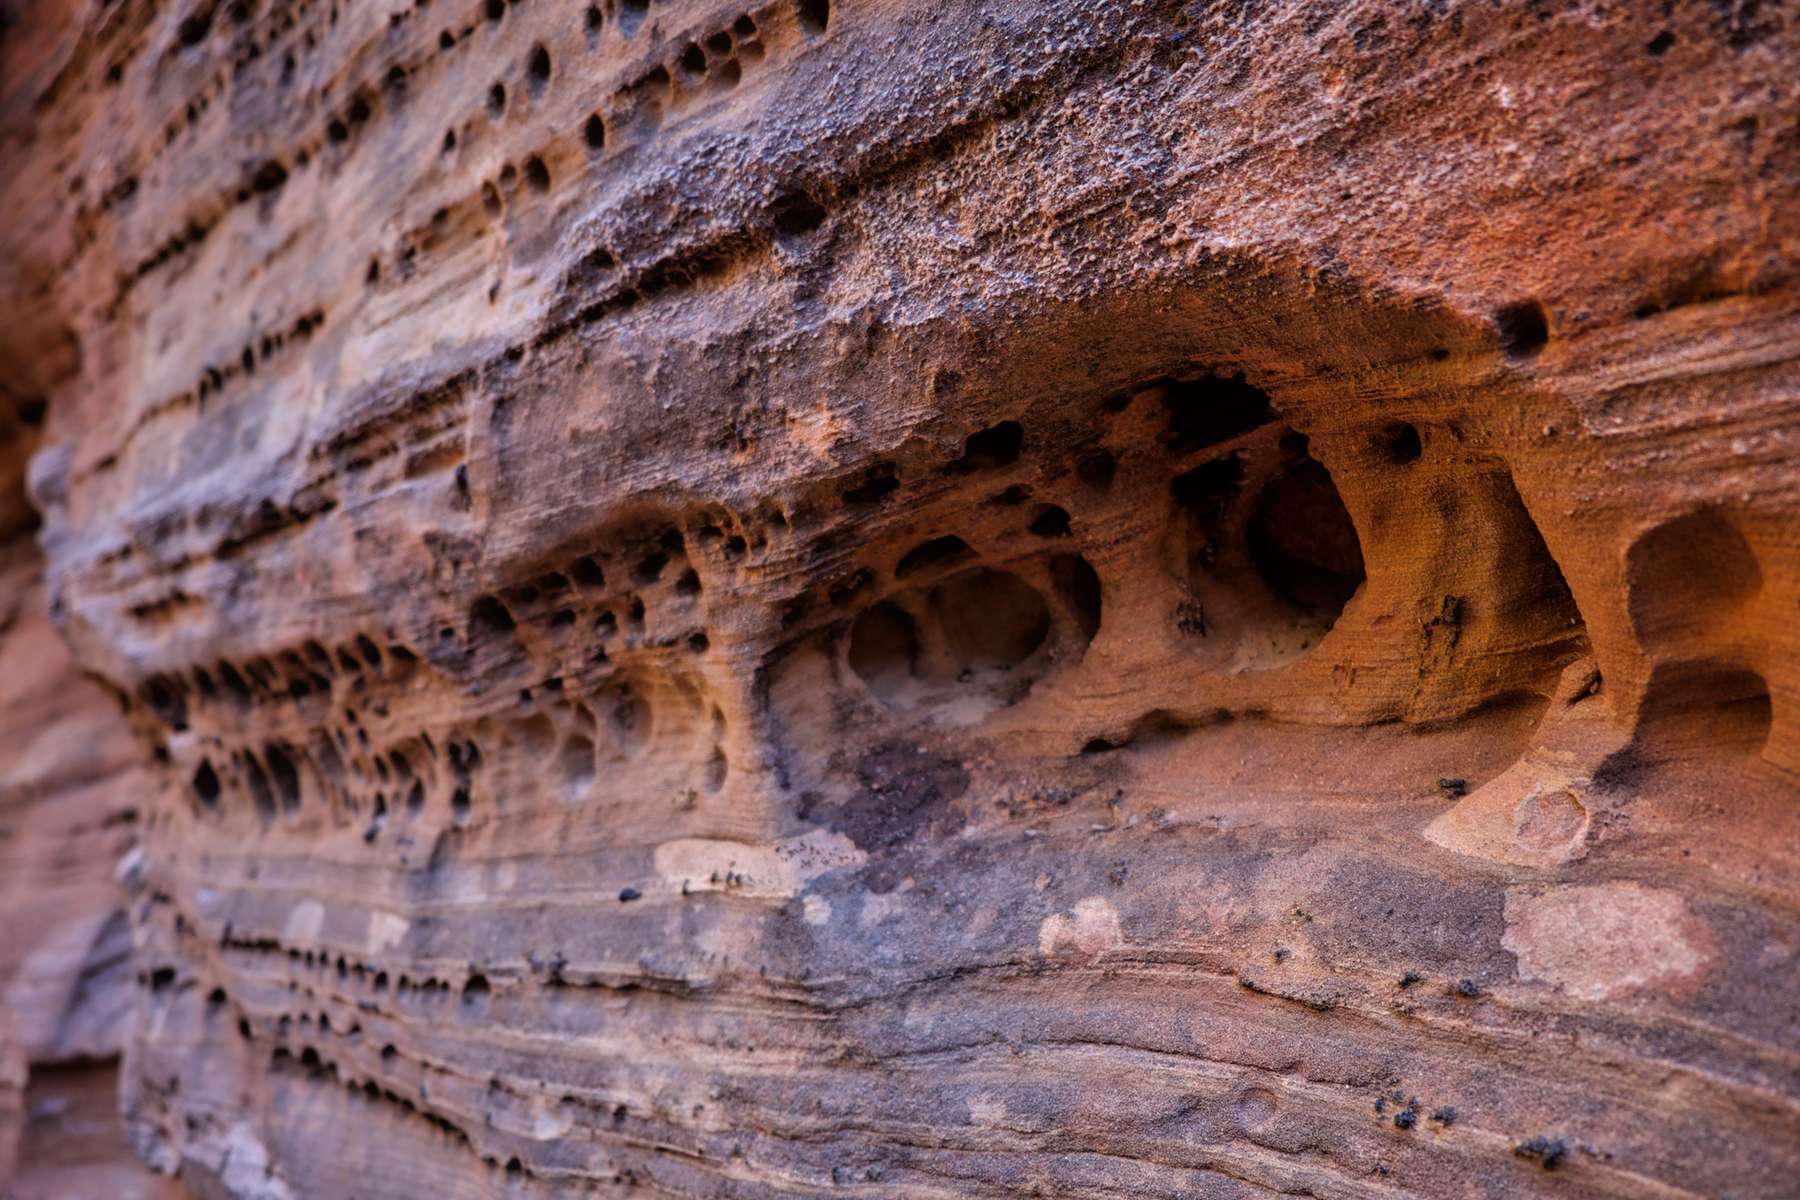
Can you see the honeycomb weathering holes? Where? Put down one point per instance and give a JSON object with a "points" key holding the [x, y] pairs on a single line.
{"points": [[1079, 585], [1685, 578], [1303, 542], [940, 551], [1703, 709], [996, 446], [1272, 553], [1211, 410], [1524, 328], [206, 784], [990, 619], [1401, 443], [884, 647], [971, 641], [577, 763], [626, 715]]}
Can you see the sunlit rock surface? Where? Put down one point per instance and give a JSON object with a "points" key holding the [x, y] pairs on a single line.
{"points": [[901, 599]]}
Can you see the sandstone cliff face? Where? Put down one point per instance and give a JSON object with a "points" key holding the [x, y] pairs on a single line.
{"points": [[72, 790], [918, 600]]}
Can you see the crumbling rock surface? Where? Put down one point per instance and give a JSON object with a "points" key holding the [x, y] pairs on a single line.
{"points": [[906, 599]]}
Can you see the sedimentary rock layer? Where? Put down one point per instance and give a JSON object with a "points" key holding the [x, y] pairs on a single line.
{"points": [[927, 600]]}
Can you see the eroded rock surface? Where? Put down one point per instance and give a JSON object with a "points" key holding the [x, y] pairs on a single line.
{"points": [[923, 600]]}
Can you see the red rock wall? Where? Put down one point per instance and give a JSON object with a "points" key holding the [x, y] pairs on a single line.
{"points": [[72, 783], [924, 600]]}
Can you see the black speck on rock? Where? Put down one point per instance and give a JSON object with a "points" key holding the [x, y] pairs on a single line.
{"points": [[627, 895], [1547, 1152]]}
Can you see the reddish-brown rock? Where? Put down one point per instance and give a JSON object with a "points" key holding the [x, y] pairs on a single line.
{"points": [[916, 600]]}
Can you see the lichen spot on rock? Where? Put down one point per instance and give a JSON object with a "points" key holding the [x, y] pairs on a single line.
{"points": [[1600, 941], [1091, 928]]}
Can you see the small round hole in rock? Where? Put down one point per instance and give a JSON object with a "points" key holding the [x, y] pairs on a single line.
{"points": [[1689, 577], [884, 647], [990, 619], [996, 446], [285, 777], [595, 132], [537, 175], [1079, 585], [1097, 468], [651, 567], [577, 762], [538, 67], [717, 768], [1303, 542], [1207, 491], [1211, 410], [490, 616], [1400, 442], [269, 176], [206, 784], [628, 718], [1523, 328], [587, 572], [1012, 497], [797, 214], [1051, 521], [815, 15], [1701, 709], [193, 30]]}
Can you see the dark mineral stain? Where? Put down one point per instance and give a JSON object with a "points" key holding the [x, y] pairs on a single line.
{"points": [[901, 789], [1547, 1152]]}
